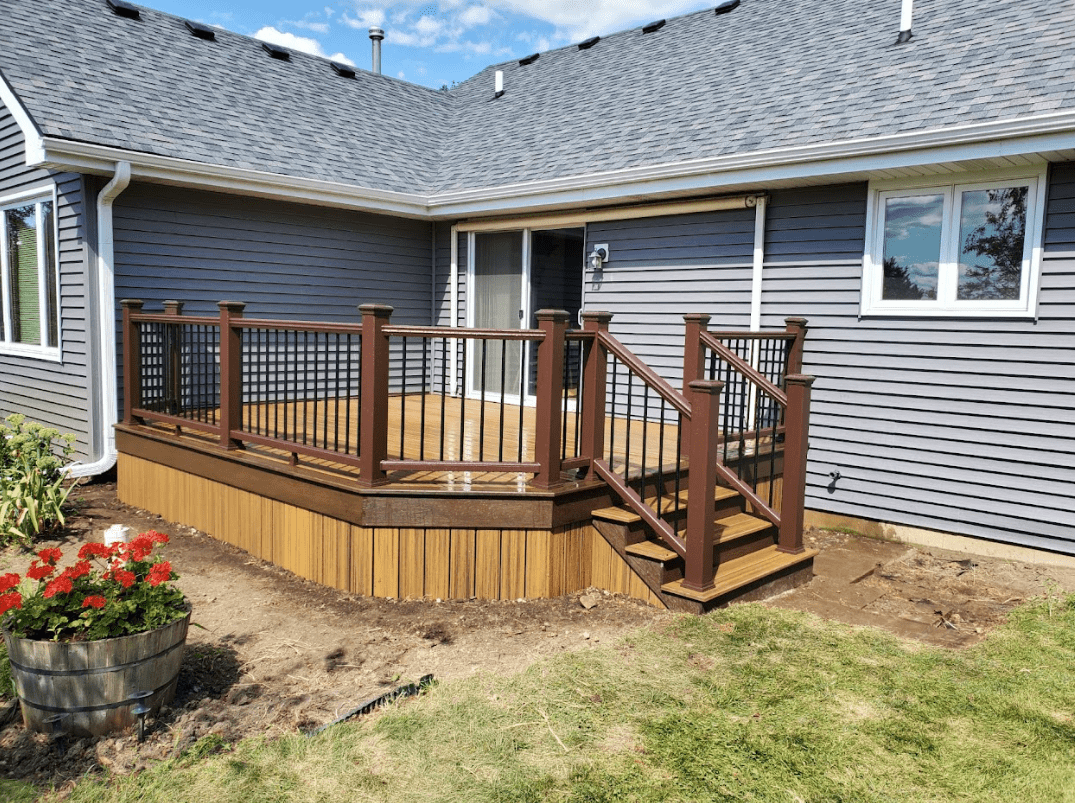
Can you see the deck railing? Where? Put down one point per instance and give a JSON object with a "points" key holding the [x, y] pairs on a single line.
{"points": [[455, 399]]}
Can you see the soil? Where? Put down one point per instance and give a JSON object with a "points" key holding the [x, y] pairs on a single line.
{"points": [[275, 654]]}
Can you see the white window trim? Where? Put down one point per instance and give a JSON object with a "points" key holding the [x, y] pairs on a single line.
{"points": [[50, 353], [946, 304]]}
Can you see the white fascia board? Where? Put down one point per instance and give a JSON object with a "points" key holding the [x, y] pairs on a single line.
{"points": [[86, 158], [1049, 132], [960, 143], [30, 132]]}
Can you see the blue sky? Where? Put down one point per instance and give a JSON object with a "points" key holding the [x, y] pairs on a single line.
{"points": [[429, 43]]}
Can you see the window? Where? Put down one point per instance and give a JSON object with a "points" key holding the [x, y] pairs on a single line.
{"points": [[30, 320], [969, 248]]}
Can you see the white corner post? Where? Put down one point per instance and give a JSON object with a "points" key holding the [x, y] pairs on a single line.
{"points": [[103, 314], [453, 292]]}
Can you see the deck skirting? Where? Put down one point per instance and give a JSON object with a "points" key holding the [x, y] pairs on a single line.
{"points": [[388, 562]]}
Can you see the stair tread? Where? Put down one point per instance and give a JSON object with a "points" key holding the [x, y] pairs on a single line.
{"points": [[740, 572], [736, 526], [627, 516], [651, 550]]}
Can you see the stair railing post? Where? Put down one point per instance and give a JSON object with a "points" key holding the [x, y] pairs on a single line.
{"points": [[693, 357], [373, 439], [132, 360], [550, 394], [699, 567], [231, 373], [797, 327], [173, 365], [594, 378], [796, 443]]}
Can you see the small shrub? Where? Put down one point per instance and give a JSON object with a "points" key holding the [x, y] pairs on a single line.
{"points": [[7, 685], [33, 484]]}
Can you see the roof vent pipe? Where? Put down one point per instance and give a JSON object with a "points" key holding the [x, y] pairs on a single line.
{"points": [[498, 83], [905, 22], [376, 35]]}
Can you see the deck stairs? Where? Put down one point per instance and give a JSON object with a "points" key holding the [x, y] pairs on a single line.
{"points": [[749, 565]]}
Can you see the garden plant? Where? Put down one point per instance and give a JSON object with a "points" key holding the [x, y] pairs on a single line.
{"points": [[34, 486]]}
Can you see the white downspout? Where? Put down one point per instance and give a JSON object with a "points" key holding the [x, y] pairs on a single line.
{"points": [[755, 293], [454, 322], [106, 404]]}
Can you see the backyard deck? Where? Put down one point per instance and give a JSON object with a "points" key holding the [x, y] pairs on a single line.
{"points": [[371, 458]]}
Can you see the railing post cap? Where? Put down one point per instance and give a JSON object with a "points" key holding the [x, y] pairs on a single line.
{"points": [[171, 305], [799, 379], [595, 315], [377, 310], [800, 322], [697, 317], [131, 303], [232, 306], [553, 315], [706, 386]]}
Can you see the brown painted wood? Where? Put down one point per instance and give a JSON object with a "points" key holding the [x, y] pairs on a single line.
{"points": [[702, 483], [438, 564], [385, 562], [550, 389], [412, 564], [487, 564], [461, 577], [373, 437], [132, 350], [796, 444], [231, 373]]}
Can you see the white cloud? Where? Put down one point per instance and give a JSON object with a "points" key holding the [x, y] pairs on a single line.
{"points": [[575, 20], [309, 25], [401, 75], [302, 44], [367, 18], [475, 15]]}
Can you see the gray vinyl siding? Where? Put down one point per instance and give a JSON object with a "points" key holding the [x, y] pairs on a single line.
{"points": [[54, 393], [662, 268], [283, 260], [962, 425]]}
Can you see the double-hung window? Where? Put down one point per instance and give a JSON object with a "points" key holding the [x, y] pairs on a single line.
{"points": [[29, 286], [971, 247]]}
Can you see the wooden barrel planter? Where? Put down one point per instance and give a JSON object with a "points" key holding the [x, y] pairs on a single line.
{"points": [[91, 688]]}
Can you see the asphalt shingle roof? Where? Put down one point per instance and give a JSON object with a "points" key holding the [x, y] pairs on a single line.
{"points": [[772, 74]]}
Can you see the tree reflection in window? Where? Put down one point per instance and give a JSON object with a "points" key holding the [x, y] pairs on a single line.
{"points": [[992, 231]]}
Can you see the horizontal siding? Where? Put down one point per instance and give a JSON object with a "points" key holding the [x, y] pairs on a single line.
{"points": [[54, 393], [283, 260], [962, 425], [662, 268]]}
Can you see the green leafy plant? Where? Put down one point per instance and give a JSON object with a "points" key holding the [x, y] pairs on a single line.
{"points": [[111, 591], [33, 483]]}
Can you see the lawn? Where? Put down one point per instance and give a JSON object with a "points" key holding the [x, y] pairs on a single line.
{"points": [[747, 704]]}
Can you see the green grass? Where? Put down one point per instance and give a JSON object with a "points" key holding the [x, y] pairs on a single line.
{"points": [[749, 704]]}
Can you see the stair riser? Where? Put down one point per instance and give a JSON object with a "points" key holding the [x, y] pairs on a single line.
{"points": [[655, 573], [764, 588], [745, 545]]}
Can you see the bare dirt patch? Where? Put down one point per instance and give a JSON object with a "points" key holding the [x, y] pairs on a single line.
{"points": [[945, 598], [279, 654]]}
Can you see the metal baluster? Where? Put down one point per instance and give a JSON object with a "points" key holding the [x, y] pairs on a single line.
{"points": [[522, 392], [426, 346], [627, 437], [503, 396], [443, 390], [403, 404], [462, 399], [645, 435], [612, 418], [481, 402]]}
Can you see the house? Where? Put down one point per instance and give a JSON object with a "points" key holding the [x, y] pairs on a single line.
{"points": [[908, 189]]}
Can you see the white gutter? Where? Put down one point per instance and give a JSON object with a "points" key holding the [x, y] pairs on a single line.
{"points": [[106, 404], [1036, 134]]}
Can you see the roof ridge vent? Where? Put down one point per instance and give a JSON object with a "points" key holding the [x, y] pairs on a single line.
{"points": [[276, 51], [653, 27], [726, 6], [529, 59], [124, 9], [343, 70], [200, 30], [588, 43]]}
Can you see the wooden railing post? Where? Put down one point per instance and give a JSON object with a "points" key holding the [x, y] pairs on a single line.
{"points": [[698, 568], [693, 358], [796, 443], [373, 439], [231, 372], [550, 394], [594, 378], [132, 360], [173, 367], [796, 326]]}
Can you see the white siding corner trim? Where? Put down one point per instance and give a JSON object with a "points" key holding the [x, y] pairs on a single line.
{"points": [[34, 144]]}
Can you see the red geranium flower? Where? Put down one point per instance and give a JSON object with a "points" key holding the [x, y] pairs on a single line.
{"points": [[124, 577], [160, 573], [9, 581], [94, 551], [50, 555], [61, 585], [156, 537], [94, 601], [38, 572], [12, 599], [80, 569]]}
